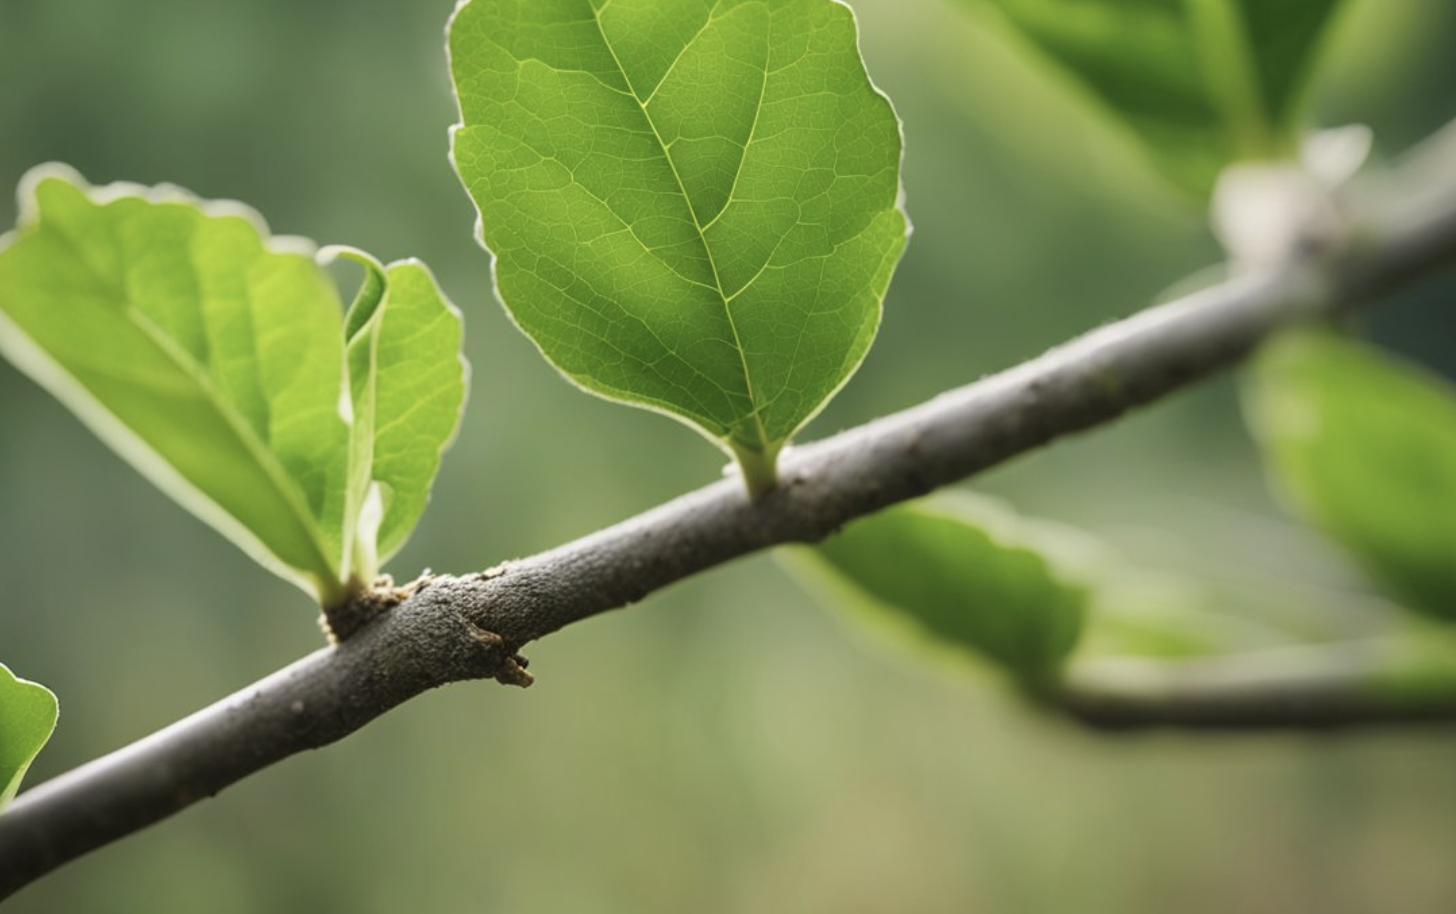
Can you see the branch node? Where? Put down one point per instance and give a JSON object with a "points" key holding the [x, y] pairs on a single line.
{"points": [[509, 667], [495, 571], [340, 623]]}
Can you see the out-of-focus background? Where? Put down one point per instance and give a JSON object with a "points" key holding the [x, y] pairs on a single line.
{"points": [[726, 746]]}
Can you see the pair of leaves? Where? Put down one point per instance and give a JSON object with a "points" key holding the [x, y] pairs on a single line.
{"points": [[218, 362], [1365, 447], [693, 206], [965, 573], [1202, 83], [27, 719]]}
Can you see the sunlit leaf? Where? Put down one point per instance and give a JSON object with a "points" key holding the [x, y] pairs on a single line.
{"points": [[408, 383], [27, 718], [212, 357], [960, 572], [1365, 447], [1201, 82], [692, 205]]}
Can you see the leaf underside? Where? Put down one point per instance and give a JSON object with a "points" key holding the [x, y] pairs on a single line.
{"points": [[959, 572], [692, 206]]}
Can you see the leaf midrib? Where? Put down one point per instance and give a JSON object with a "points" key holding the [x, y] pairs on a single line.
{"points": [[1222, 40], [723, 297], [182, 361], [260, 452]]}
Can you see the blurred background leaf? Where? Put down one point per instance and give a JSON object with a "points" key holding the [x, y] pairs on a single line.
{"points": [[956, 573], [763, 759], [1200, 83], [1365, 448]]}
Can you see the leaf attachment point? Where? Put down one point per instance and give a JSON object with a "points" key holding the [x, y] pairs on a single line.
{"points": [[692, 206]]}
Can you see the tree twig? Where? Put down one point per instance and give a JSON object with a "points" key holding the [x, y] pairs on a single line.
{"points": [[471, 627], [1384, 681]]}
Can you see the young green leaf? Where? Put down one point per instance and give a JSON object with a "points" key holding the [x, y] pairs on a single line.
{"points": [[692, 206], [407, 386], [1202, 82], [27, 719], [1365, 447], [965, 573], [213, 358]]}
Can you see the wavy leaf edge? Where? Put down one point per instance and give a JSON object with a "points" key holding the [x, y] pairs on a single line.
{"points": [[357, 566]]}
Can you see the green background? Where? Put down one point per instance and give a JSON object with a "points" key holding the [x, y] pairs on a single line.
{"points": [[725, 746]]}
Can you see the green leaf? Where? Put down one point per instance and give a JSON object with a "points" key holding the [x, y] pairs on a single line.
{"points": [[962, 572], [27, 719], [207, 358], [692, 205], [408, 383], [1364, 446], [212, 357], [1203, 83], [1284, 41]]}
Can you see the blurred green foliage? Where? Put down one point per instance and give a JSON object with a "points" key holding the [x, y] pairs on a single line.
{"points": [[957, 575], [724, 747], [1201, 83], [1364, 446]]}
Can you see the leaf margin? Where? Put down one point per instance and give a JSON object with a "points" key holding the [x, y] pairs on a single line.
{"points": [[1070, 559], [31, 359], [1270, 412], [10, 682], [757, 469]]}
